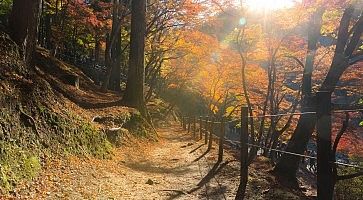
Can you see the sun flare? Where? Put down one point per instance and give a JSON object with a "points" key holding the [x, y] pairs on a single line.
{"points": [[264, 5]]}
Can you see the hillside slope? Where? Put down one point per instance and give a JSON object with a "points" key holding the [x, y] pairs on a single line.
{"points": [[43, 117]]}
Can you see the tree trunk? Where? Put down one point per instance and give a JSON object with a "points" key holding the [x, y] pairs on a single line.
{"points": [[113, 51], [23, 24], [107, 63], [41, 26], [289, 164], [134, 94], [48, 31], [97, 49], [115, 79]]}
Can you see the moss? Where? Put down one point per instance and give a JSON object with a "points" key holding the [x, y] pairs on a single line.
{"points": [[31, 166], [137, 125], [64, 134], [4, 180], [16, 164], [57, 131]]}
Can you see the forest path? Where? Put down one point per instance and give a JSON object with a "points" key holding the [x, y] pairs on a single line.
{"points": [[175, 167]]}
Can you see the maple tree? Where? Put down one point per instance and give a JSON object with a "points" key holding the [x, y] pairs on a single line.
{"points": [[211, 57], [343, 56]]}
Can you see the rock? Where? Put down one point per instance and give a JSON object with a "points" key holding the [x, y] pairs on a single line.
{"points": [[150, 182], [102, 119]]}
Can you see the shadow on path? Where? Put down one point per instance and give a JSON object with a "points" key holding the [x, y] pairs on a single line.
{"points": [[192, 151], [201, 156], [177, 194], [215, 170]]}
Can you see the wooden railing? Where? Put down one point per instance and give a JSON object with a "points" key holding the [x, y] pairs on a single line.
{"points": [[211, 129]]}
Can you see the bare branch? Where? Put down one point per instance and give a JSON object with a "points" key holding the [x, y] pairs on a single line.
{"points": [[343, 33], [297, 60], [341, 132], [357, 33]]}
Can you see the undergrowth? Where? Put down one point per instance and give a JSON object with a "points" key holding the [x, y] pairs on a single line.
{"points": [[22, 150], [350, 189], [35, 126], [139, 127]]}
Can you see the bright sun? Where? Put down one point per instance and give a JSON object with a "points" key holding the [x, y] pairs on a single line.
{"points": [[264, 5]]}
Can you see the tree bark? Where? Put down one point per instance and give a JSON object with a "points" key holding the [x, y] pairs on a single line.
{"points": [[115, 79], [110, 46], [97, 49], [134, 94], [23, 24], [288, 164], [113, 55]]}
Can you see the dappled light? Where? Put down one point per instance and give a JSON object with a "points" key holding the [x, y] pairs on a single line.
{"points": [[171, 99]]}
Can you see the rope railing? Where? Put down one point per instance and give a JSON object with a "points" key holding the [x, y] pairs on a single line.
{"points": [[304, 113], [209, 127], [296, 154], [289, 114]]}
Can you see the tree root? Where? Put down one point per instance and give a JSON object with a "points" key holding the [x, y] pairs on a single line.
{"points": [[30, 120]]}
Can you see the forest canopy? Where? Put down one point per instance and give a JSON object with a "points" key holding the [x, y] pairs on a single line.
{"points": [[210, 58]]}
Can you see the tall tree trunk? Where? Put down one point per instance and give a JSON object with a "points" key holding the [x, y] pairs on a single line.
{"points": [[115, 79], [288, 164], [48, 31], [41, 26], [134, 94], [253, 150], [97, 49], [347, 42], [113, 49], [108, 63], [23, 24]]}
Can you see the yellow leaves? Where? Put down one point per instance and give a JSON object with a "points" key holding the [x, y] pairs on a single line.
{"points": [[331, 21], [288, 19], [229, 110], [214, 108]]}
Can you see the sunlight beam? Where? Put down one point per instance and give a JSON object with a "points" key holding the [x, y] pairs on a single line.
{"points": [[268, 5]]}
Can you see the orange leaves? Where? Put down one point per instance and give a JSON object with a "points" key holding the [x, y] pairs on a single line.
{"points": [[83, 14]]}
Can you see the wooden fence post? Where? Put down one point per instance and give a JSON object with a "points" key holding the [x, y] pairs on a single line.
{"points": [[184, 123], [323, 126], [206, 130], [211, 130], [189, 122], [200, 127], [244, 154], [221, 141], [194, 127]]}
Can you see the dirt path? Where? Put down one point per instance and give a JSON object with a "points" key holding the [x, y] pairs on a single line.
{"points": [[176, 167]]}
